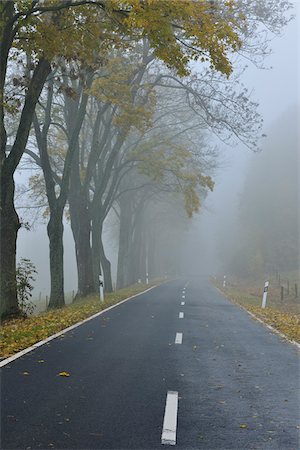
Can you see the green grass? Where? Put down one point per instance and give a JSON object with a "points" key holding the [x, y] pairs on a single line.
{"points": [[18, 334]]}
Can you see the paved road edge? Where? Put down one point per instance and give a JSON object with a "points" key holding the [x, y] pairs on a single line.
{"points": [[274, 330], [8, 360]]}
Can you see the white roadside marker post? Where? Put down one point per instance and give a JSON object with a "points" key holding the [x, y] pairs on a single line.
{"points": [[101, 285], [265, 294], [224, 281]]}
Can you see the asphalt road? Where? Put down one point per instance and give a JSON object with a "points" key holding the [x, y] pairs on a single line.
{"points": [[237, 382]]}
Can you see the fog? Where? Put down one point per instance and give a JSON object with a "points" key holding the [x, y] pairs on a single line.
{"points": [[277, 91], [206, 243]]}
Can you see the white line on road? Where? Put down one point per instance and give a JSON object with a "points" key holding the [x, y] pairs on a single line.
{"points": [[168, 435], [183, 296], [181, 315], [178, 338], [182, 303]]}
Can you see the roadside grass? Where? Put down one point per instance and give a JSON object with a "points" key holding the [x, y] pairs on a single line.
{"points": [[18, 334], [284, 315]]}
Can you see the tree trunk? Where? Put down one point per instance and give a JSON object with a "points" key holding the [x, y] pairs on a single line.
{"points": [[9, 221], [81, 228], [9, 226], [136, 266], [99, 256], [153, 265], [96, 252], [55, 233], [124, 241], [84, 259], [106, 266]]}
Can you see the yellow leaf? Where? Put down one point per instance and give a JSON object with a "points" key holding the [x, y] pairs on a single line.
{"points": [[243, 425], [64, 374]]}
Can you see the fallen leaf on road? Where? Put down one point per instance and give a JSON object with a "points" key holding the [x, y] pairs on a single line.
{"points": [[243, 425], [41, 361], [64, 374], [25, 373]]}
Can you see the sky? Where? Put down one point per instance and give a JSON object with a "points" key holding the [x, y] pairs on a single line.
{"points": [[275, 90]]}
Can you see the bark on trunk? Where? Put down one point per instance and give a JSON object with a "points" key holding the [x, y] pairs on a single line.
{"points": [[96, 254], [9, 226], [124, 242], [99, 256], [84, 259], [81, 228], [55, 233], [106, 266], [9, 221]]}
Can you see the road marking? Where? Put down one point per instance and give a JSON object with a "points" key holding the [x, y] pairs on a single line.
{"points": [[60, 333], [178, 338], [168, 436], [182, 303], [183, 296], [181, 315]]}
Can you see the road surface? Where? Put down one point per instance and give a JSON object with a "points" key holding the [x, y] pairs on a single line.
{"points": [[227, 382]]}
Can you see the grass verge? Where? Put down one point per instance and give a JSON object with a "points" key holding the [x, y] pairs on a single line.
{"points": [[18, 334], [283, 317]]}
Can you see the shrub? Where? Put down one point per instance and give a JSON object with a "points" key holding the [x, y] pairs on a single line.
{"points": [[25, 276]]}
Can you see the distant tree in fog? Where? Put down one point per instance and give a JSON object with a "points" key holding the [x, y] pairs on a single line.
{"points": [[269, 205]]}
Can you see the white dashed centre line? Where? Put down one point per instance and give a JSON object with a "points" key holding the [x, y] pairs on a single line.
{"points": [[181, 315], [168, 436], [178, 338], [183, 296], [182, 303]]}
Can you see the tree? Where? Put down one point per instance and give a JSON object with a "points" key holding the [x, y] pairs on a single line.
{"points": [[44, 31], [24, 27]]}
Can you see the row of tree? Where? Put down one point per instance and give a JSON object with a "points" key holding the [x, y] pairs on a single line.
{"points": [[101, 96]]}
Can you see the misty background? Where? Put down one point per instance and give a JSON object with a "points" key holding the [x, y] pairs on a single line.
{"points": [[211, 238]]}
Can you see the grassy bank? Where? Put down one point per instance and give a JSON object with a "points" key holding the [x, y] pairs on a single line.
{"points": [[281, 314], [18, 334]]}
